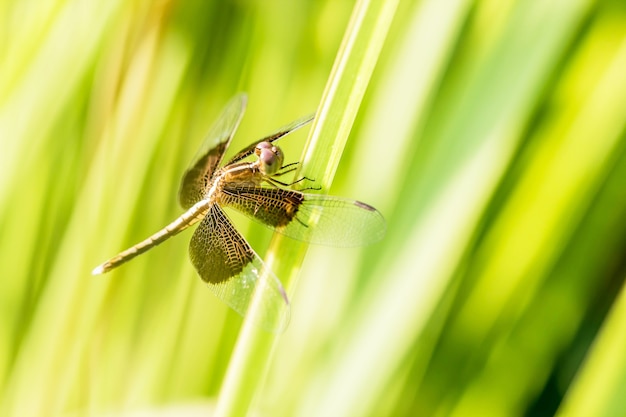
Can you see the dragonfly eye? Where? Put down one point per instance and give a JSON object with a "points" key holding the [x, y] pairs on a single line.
{"points": [[270, 158]]}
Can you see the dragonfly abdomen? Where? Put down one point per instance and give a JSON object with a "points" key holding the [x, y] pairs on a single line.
{"points": [[191, 216]]}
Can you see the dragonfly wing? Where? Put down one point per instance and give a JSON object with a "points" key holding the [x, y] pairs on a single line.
{"points": [[283, 131], [273, 207], [335, 221], [235, 273], [210, 154], [318, 219]]}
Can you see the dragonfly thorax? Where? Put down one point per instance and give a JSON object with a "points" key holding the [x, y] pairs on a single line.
{"points": [[251, 174], [270, 158]]}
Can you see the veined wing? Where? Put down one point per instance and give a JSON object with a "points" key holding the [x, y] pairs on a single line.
{"points": [[318, 219], [283, 131], [235, 272], [211, 152]]}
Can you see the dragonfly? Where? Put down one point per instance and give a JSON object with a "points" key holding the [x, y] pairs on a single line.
{"points": [[218, 252]]}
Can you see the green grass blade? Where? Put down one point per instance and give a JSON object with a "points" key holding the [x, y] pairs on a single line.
{"points": [[351, 73]]}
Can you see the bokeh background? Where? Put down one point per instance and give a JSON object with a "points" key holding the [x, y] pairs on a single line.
{"points": [[491, 137]]}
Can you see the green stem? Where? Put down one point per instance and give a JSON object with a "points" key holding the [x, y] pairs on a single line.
{"points": [[344, 92]]}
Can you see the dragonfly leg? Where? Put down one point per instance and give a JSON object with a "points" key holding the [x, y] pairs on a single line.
{"points": [[275, 183], [310, 188], [290, 167]]}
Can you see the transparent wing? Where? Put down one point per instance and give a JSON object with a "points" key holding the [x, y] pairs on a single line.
{"points": [[334, 221], [318, 219], [210, 154], [235, 272], [283, 131]]}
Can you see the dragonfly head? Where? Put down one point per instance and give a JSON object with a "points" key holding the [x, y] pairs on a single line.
{"points": [[270, 158]]}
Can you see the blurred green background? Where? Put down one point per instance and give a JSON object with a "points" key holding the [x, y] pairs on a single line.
{"points": [[491, 137]]}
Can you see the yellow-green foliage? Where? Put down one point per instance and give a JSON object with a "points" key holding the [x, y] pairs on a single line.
{"points": [[491, 136]]}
